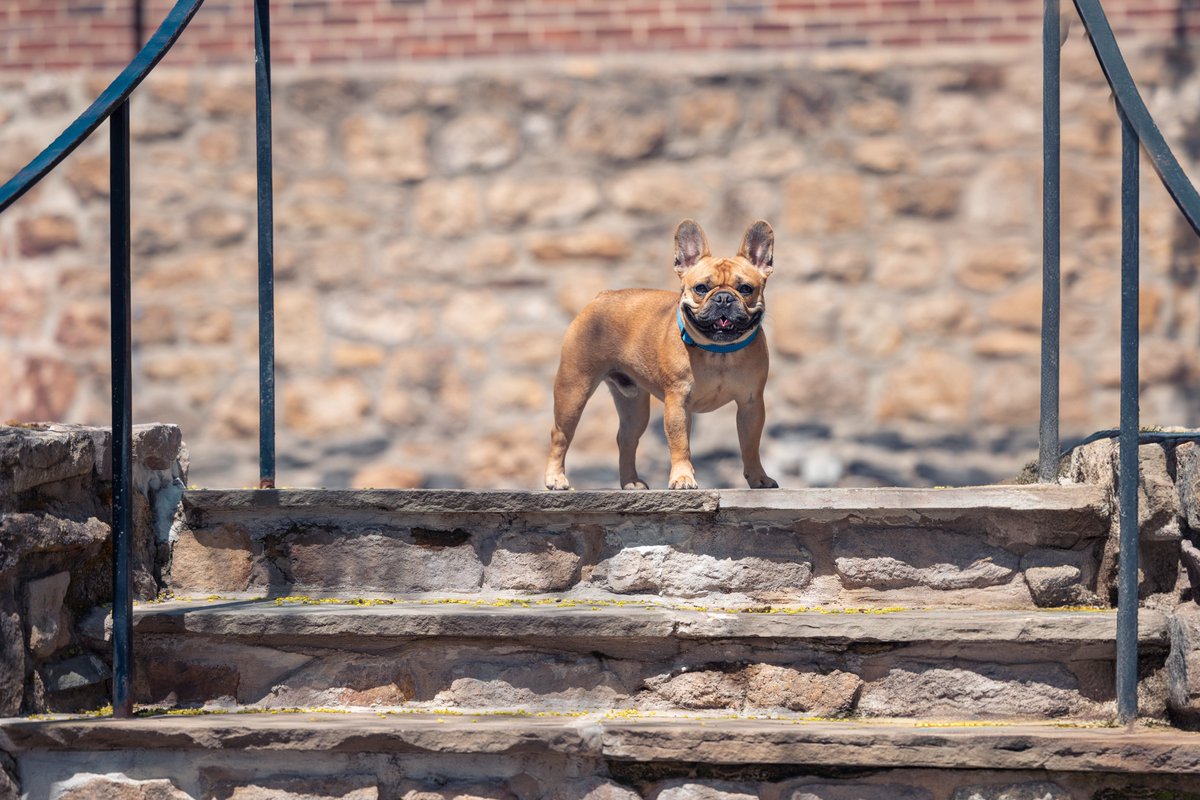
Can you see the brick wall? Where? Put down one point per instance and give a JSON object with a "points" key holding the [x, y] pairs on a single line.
{"points": [[75, 34]]}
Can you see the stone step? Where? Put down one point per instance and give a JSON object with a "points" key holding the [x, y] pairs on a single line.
{"points": [[577, 656], [982, 547], [366, 756]]}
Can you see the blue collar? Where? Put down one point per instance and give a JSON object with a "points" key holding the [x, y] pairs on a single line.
{"points": [[714, 348]]}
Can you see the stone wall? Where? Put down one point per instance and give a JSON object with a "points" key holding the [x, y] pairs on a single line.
{"points": [[56, 554], [437, 228]]}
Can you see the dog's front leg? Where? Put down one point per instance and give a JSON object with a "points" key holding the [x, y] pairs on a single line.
{"points": [[751, 416], [677, 421]]}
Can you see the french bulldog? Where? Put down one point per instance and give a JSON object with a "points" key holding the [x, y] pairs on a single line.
{"points": [[695, 350]]}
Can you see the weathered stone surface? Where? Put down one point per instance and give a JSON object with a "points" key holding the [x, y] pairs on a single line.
{"points": [[1187, 480], [195, 670], [580, 245], [803, 319], [662, 191], [1057, 577], [910, 259], [382, 562], [663, 569], [824, 203], [1183, 667], [548, 200], [933, 387], [24, 534], [448, 208], [704, 689], [342, 787], [1158, 501], [592, 789], [884, 155], [12, 659], [30, 457], [47, 621], [216, 560], [919, 196], [995, 267], [822, 695], [934, 559], [855, 791], [476, 141], [75, 673], [614, 128], [387, 149], [533, 562], [1033, 790], [991, 691], [38, 236], [91, 787], [708, 790], [316, 407]]}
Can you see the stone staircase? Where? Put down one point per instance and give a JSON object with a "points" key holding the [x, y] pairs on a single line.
{"points": [[793, 644]]}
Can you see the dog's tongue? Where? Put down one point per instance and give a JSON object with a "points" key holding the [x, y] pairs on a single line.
{"points": [[724, 322]]}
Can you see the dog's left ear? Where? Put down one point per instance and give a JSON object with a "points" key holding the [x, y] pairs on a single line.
{"points": [[758, 247]]}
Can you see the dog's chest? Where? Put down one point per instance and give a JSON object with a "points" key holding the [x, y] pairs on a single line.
{"points": [[719, 379]]}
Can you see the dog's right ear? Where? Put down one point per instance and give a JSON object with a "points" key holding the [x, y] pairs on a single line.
{"points": [[690, 246]]}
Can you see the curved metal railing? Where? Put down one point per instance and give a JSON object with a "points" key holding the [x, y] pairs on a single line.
{"points": [[113, 105], [105, 105], [1138, 130]]}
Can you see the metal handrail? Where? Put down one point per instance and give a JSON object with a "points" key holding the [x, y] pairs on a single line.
{"points": [[113, 105], [1138, 130], [105, 105]]}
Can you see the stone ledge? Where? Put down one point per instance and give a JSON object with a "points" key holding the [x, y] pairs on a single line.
{"points": [[450, 501], [816, 504], [264, 621], [678, 739]]}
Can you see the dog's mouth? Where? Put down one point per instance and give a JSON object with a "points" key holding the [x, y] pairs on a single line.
{"points": [[723, 327]]}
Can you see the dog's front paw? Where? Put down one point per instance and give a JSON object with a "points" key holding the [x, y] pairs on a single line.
{"points": [[762, 482], [635, 485], [684, 482], [557, 483]]}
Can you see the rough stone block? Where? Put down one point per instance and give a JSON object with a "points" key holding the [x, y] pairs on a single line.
{"points": [[900, 558], [855, 791], [1044, 691], [709, 790], [12, 660], [75, 673], [830, 695], [705, 689], [1183, 667], [592, 789], [109, 787], [383, 561], [48, 623], [218, 560], [30, 457], [533, 562], [1034, 790], [1057, 577], [316, 787], [1187, 481]]}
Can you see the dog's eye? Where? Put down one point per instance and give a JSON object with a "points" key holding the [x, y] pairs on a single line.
{"points": [[700, 288], [745, 288]]}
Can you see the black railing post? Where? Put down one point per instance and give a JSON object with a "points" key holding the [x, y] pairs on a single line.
{"points": [[266, 245], [1048, 440], [122, 412], [1127, 581]]}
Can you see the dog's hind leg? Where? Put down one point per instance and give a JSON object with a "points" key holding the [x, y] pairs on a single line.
{"points": [[572, 388], [633, 409]]}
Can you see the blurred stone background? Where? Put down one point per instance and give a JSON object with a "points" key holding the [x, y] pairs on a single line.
{"points": [[439, 220]]}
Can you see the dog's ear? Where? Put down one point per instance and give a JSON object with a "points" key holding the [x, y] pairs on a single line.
{"points": [[690, 245], [758, 247]]}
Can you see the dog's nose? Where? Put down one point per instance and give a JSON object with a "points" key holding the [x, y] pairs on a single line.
{"points": [[724, 298]]}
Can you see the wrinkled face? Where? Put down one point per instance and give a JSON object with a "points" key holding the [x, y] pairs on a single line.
{"points": [[722, 298]]}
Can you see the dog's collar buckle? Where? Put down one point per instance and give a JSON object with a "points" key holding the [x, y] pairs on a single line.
{"points": [[713, 348]]}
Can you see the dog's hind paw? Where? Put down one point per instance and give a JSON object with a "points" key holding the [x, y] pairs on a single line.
{"points": [[762, 482]]}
